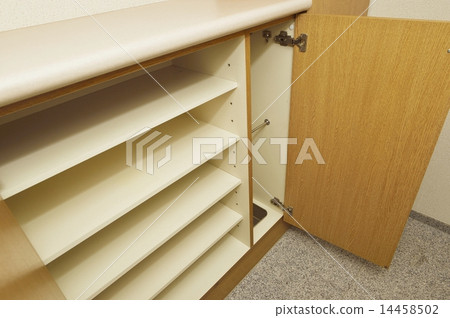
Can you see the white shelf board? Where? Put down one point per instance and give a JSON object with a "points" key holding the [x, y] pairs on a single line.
{"points": [[272, 217], [46, 143], [86, 270], [157, 271], [61, 212], [204, 273]]}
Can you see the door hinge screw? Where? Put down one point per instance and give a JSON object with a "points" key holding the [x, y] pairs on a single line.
{"points": [[275, 201], [286, 40], [267, 34]]}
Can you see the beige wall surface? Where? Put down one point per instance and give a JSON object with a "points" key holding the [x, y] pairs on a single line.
{"points": [[412, 9], [433, 198], [18, 14], [434, 194]]}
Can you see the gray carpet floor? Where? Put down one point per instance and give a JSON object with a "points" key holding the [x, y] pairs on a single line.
{"points": [[297, 268]]}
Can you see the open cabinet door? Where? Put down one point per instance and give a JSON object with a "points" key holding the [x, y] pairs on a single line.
{"points": [[374, 104]]}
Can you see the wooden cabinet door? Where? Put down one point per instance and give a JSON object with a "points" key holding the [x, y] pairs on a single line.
{"points": [[374, 102]]}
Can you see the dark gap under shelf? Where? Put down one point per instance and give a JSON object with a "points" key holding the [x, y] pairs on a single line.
{"points": [[258, 214]]}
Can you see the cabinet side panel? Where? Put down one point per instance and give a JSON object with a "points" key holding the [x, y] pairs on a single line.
{"points": [[22, 273], [248, 86]]}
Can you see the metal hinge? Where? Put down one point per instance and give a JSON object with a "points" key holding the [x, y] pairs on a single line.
{"points": [[278, 203], [286, 40]]}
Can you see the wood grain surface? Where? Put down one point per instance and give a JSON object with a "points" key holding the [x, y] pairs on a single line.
{"points": [[22, 273], [374, 103], [339, 7]]}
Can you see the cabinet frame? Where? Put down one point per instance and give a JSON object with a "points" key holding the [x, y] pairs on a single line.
{"points": [[28, 106], [257, 251]]}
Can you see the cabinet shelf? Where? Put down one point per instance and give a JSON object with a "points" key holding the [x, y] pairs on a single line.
{"points": [[79, 272], [158, 270], [204, 273], [272, 217], [61, 212], [66, 135]]}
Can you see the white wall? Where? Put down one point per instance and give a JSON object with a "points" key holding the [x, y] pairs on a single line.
{"points": [[16, 14], [412, 9], [434, 194]]}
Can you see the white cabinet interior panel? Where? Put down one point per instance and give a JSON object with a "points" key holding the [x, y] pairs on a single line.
{"points": [[274, 214]]}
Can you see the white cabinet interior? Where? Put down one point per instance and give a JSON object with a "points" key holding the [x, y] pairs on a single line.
{"points": [[104, 181], [98, 121], [271, 73], [102, 227]]}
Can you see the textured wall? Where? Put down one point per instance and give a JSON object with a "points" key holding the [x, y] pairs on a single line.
{"points": [[412, 9], [18, 14], [434, 194]]}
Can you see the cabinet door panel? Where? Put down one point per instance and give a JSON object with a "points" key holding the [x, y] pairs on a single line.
{"points": [[346, 7], [374, 104]]}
